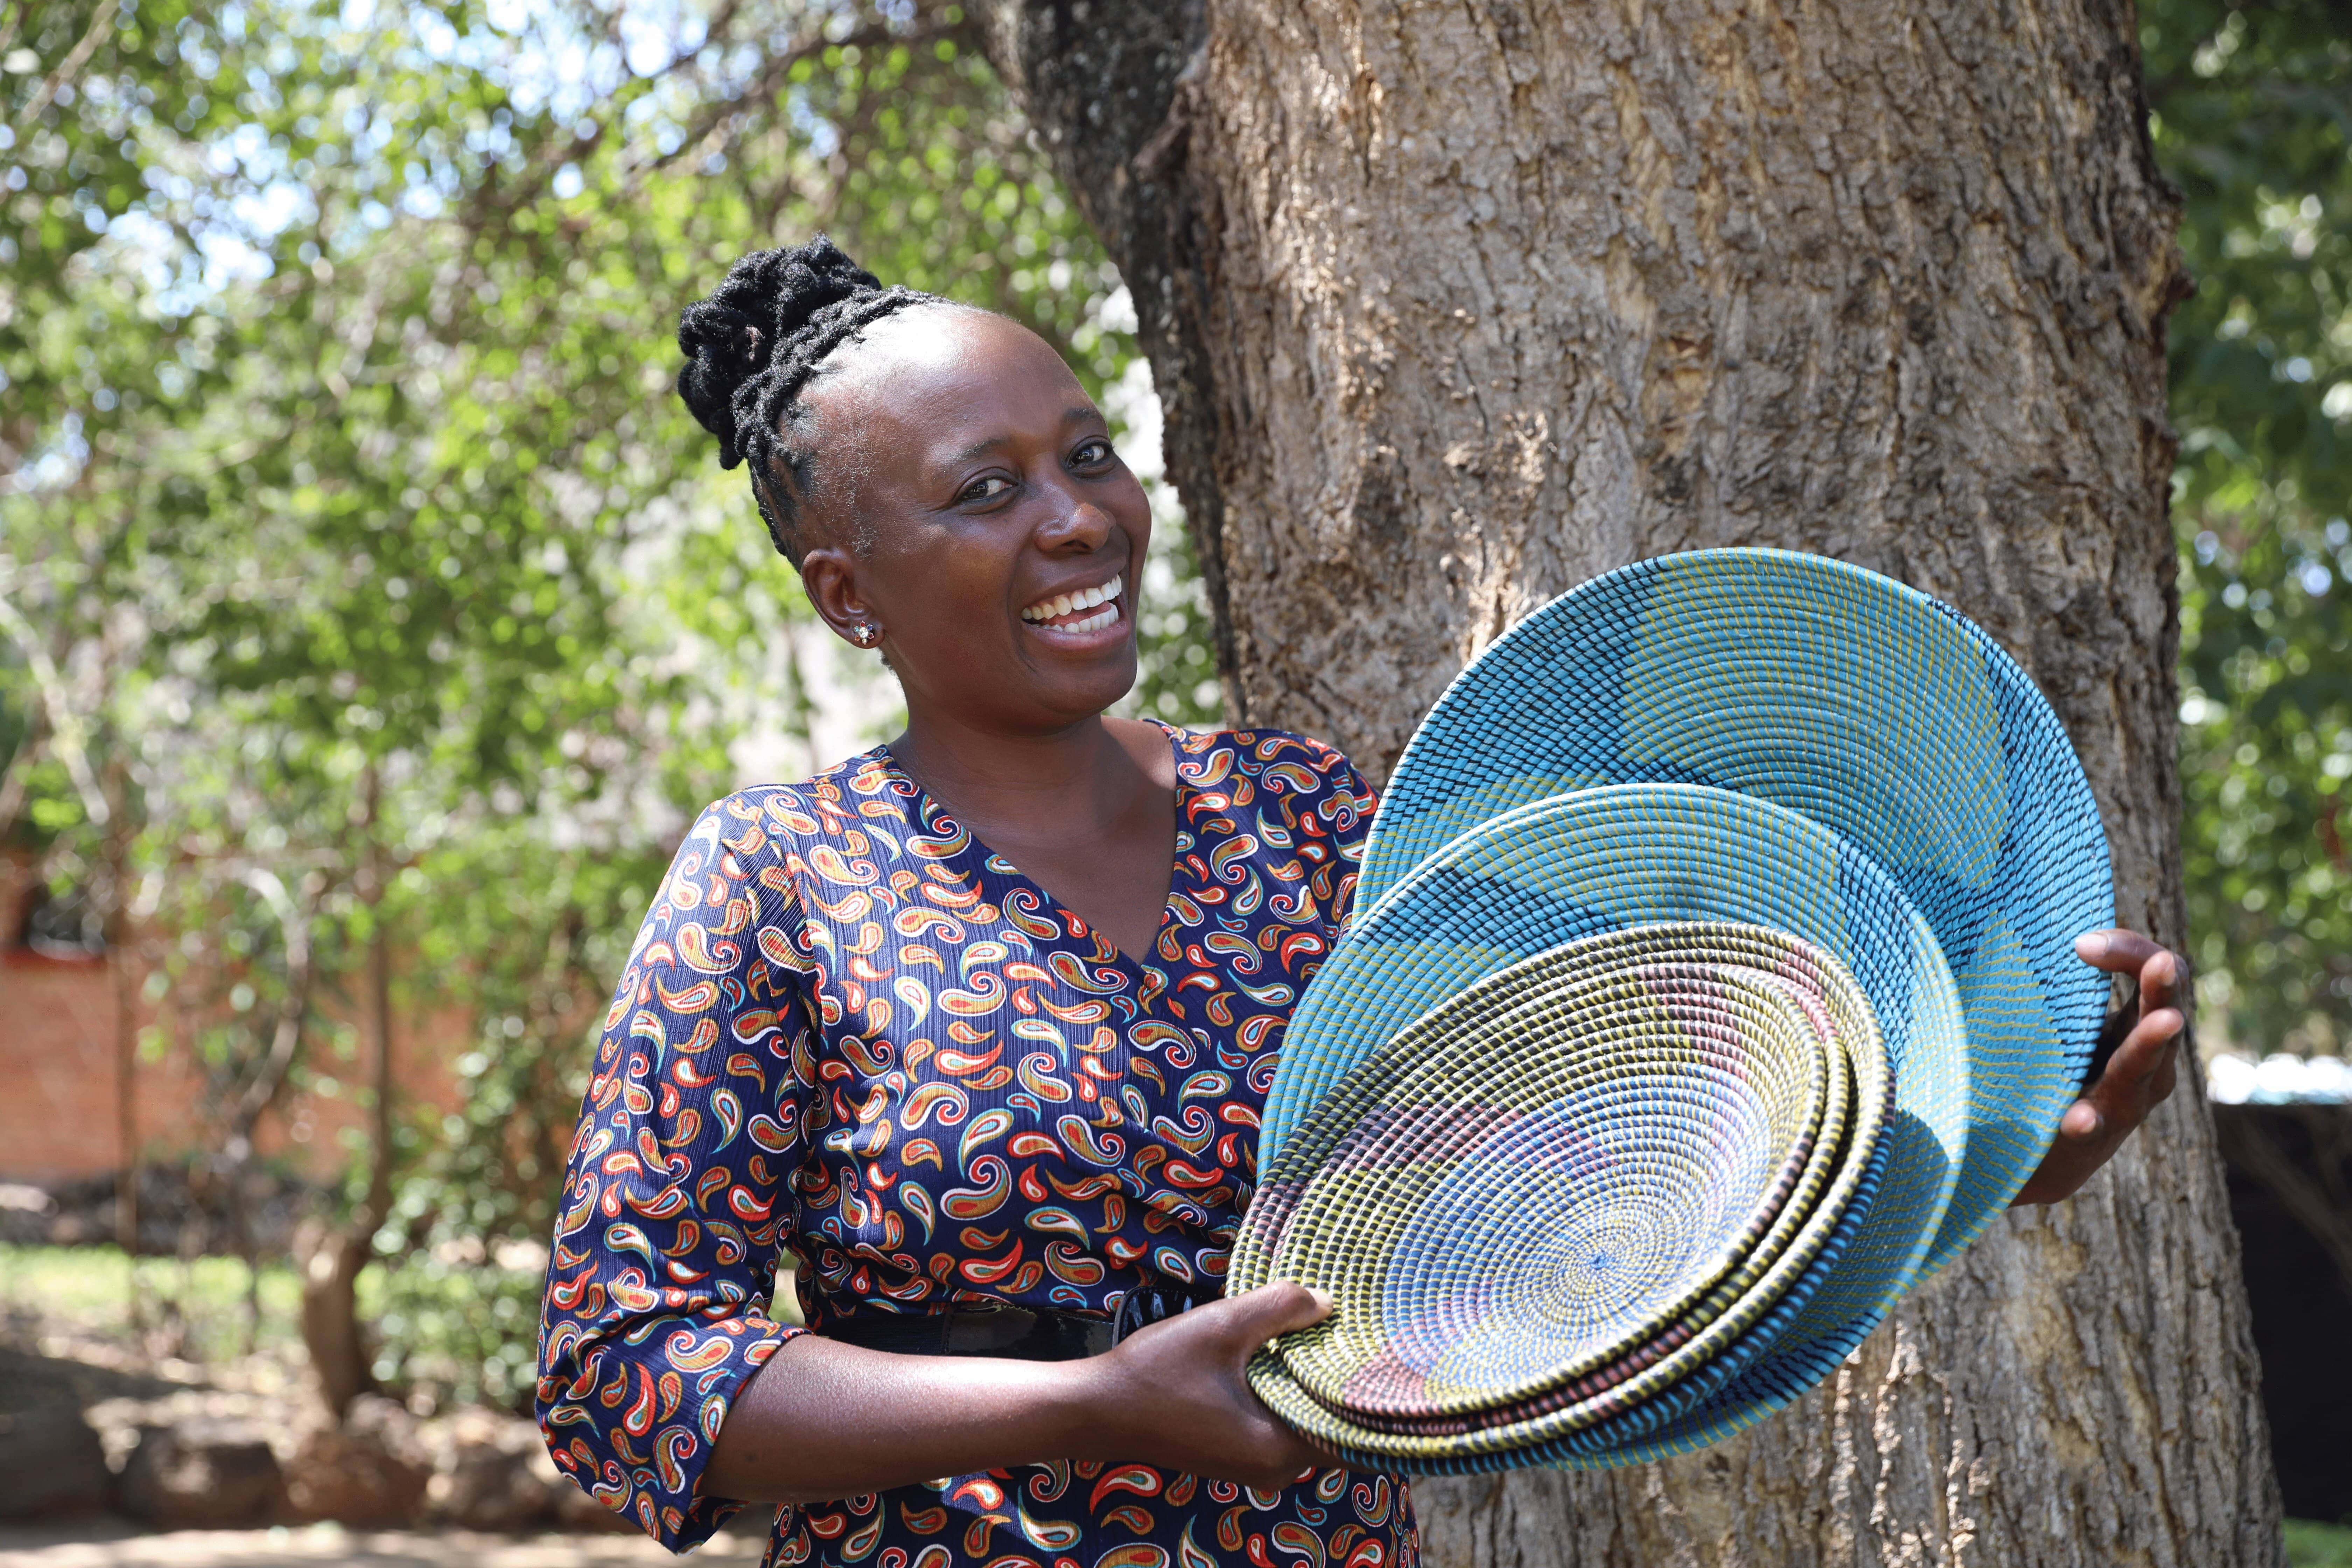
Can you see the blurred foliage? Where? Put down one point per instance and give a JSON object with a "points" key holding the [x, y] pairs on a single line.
{"points": [[452, 1325], [456, 1328], [2254, 121], [1178, 681], [208, 1302], [358, 572]]}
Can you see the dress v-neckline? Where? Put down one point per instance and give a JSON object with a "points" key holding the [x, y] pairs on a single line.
{"points": [[928, 807]]}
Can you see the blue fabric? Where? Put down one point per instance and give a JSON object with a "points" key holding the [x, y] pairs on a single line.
{"points": [[849, 1029]]}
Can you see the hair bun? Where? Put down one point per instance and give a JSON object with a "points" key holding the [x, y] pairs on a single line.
{"points": [[768, 299], [760, 338], [808, 278]]}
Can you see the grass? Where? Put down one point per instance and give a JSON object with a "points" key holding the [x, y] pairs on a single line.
{"points": [[2310, 1544], [457, 1332], [198, 1304], [464, 1331]]}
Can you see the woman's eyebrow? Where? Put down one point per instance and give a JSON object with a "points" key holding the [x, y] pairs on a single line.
{"points": [[979, 449], [1076, 414]]}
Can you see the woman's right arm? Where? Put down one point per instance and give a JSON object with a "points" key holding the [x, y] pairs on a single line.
{"points": [[825, 1420], [679, 1185], [657, 1392]]}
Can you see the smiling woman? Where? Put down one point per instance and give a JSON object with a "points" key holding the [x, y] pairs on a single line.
{"points": [[979, 1024]]}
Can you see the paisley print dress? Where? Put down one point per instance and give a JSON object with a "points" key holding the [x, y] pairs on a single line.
{"points": [[850, 1030]]}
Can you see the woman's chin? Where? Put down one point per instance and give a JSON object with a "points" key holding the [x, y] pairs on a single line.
{"points": [[1072, 687], [1080, 661]]}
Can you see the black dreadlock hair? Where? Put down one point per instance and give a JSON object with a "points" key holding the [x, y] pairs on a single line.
{"points": [[756, 343]]}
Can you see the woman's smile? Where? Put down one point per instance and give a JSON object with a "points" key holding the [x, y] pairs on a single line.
{"points": [[1081, 617]]}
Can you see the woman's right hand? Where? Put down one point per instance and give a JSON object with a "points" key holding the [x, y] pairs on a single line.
{"points": [[823, 1419], [1172, 1394]]}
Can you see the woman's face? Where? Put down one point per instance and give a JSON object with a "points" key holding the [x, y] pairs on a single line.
{"points": [[975, 511]]}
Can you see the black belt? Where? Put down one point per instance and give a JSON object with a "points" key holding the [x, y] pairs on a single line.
{"points": [[1023, 1333]]}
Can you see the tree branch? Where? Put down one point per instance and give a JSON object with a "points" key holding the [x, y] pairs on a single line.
{"points": [[15, 782], [101, 25], [269, 1074], [66, 736]]}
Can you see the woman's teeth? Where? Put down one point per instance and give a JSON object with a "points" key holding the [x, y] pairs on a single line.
{"points": [[1047, 610]]}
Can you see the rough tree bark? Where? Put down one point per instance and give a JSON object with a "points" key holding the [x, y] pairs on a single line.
{"points": [[1453, 306]]}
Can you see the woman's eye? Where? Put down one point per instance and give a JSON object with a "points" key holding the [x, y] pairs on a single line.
{"points": [[987, 488], [1092, 454]]}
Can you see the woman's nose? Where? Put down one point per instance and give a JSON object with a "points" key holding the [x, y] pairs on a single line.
{"points": [[1076, 524]]}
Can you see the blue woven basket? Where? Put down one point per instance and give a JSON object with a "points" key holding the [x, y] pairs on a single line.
{"points": [[1843, 695], [1611, 859]]}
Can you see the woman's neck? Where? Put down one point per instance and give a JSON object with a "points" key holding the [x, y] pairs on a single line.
{"points": [[1088, 813], [1031, 786]]}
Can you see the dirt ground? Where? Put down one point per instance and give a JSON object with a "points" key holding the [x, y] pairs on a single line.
{"points": [[110, 1544]]}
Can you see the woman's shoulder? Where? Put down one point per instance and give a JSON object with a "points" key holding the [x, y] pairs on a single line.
{"points": [[827, 806], [1273, 759]]}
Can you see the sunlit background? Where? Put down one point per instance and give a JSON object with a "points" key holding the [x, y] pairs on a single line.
{"points": [[373, 619]]}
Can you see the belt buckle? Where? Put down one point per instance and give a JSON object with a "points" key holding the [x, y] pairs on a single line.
{"points": [[1146, 1305]]}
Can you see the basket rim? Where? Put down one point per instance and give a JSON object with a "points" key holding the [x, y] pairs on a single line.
{"points": [[1402, 1069], [2013, 1074]]}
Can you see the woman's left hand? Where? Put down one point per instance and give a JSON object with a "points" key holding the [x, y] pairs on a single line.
{"points": [[2137, 1076]]}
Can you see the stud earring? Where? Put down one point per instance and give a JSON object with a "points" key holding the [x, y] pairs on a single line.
{"points": [[864, 634]]}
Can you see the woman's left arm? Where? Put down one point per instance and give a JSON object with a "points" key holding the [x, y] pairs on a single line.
{"points": [[2137, 1076]]}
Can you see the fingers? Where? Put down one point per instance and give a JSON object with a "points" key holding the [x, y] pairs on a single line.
{"points": [[2141, 1071], [2118, 952], [1278, 1309], [2086, 1137], [2083, 1120], [2138, 1078], [2160, 977], [1183, 1399]]}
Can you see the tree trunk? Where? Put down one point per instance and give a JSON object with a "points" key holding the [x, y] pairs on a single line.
{"points": [[1452, 307], [332, 1258], [113, 888]]}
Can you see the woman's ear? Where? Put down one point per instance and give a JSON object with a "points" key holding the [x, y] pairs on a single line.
{"points": [[830, 577]]}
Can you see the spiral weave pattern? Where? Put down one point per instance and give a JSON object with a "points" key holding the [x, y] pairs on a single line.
{"points": [[1712, 980]]}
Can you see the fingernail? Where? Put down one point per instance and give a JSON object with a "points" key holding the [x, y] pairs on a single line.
{"points": [[1322, 1297], [2082, 1120], [2093, 944]]}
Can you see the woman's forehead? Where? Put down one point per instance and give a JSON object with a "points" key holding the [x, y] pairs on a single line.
{"points": [[934, 382]]}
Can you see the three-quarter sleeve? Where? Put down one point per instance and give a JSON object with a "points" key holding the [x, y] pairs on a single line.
{"points": [[679, 1183]]}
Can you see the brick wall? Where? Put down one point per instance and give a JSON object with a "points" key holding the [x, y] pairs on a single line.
{"points": [[57, 1076]]}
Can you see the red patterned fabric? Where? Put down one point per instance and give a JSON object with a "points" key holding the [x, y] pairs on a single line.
{"points": [[849, 1029]]}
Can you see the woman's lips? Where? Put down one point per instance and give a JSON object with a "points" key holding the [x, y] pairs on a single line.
{"points": [[1080, 610]]}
